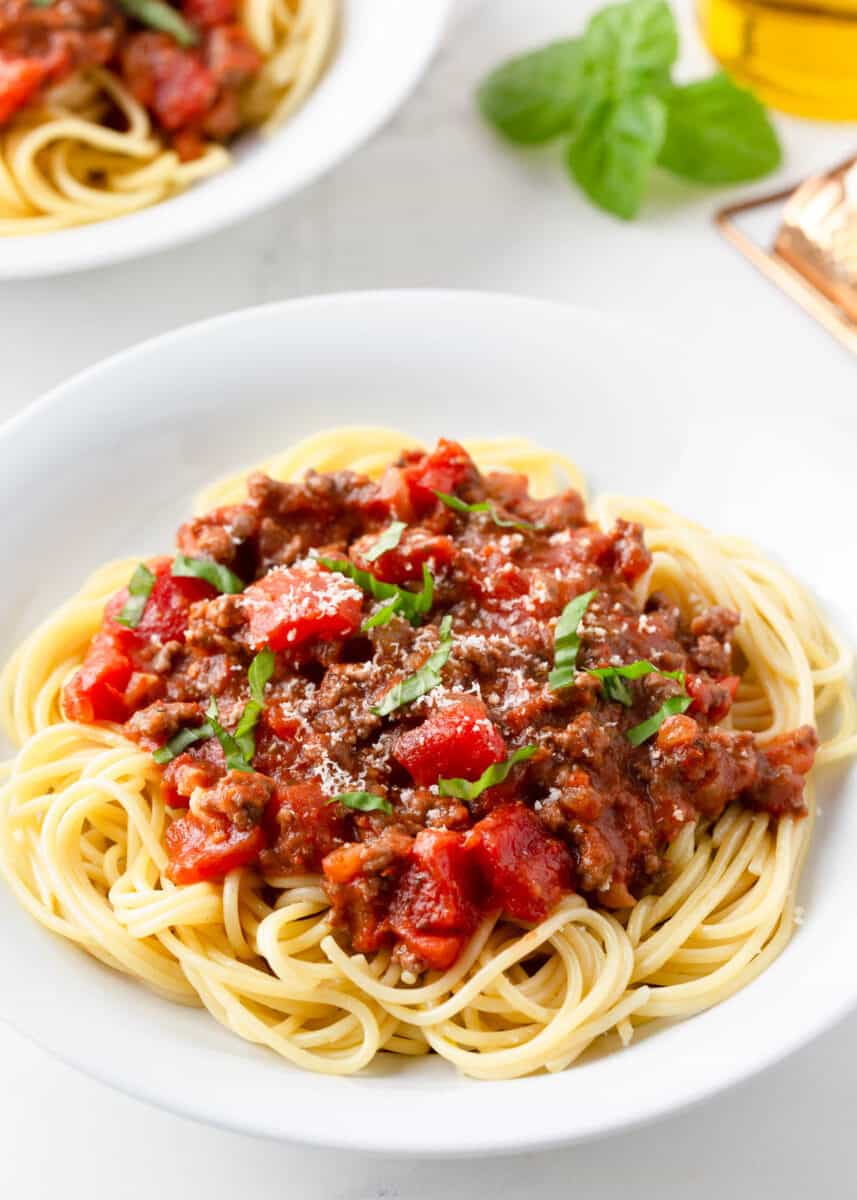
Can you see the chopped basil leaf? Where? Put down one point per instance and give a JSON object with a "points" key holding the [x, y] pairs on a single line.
{"points": [[640, 733], [139, 591], [184, 738], [483, 506], [261, 670], [463, 789], [388, 540], [41, 3], [423, 680], [157, 14], [235, 758], [412, 605], [215, 573], [612, 678], [362, 801], [567, 642]]}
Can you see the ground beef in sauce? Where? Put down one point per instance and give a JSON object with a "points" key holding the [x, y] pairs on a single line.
{"points": [[588, 811]]}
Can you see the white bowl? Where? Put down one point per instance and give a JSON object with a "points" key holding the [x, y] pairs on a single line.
{"points": [[107, 465], [382, 50]]}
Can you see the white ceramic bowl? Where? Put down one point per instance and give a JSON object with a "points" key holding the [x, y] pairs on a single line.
{"points": [[382, 50], [107, 465]]}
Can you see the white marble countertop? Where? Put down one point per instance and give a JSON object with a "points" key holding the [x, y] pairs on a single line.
{"points": [[434, 201]]}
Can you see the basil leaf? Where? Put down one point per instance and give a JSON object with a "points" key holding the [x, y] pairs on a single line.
{"points": [[260, 671], [388, 540], [41, 3], [215, 573], [640, 733], [412, 605], [235, 758], [630, 48], [139, 590], [567, 642], [362, 801], [618, 146], [534, 97], [483, 506], [463, 789], [157, 14], [423, 680], [718, 132], [612, 678], [184, 738]]}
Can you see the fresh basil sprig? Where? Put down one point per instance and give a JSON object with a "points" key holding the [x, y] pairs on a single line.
{"points": [[413, 606], [362, 801], [567, 642], [388, 540], [463, 789], [180, 742], [610, 93], [157, 14], [482, 506], [423, 680], [260, 671], [613, 678], [215, 573], [642, 732], [139, 590]]}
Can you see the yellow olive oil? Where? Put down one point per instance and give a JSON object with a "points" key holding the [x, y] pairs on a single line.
{"points": [[797, 55]]}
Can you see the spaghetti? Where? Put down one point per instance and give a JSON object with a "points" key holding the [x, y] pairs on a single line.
{"points": [[89, 149], [84, 818]]}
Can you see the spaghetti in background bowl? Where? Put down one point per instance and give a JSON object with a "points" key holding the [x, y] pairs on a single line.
{"points": [[615, 421], [366, 68]]}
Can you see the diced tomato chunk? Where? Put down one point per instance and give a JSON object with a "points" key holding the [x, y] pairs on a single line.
{"points": [[208, 13], [405, 562], [20, 79], [434, 907], [290, 606], [230, 56], [172, 82], [95, 691], [713, 697], [165, 617], [203, 850], [457, 742], [303, 827], [526, 870], [443, 470]]}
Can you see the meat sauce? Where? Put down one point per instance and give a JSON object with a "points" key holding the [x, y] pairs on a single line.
{"points": [[192, 92], [587, 811]]}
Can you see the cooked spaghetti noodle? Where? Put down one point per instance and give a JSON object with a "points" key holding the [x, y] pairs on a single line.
{"points": [[89, 151], [83, 820]]}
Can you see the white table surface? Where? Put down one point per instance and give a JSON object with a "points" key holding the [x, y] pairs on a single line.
{"points": [[435, 201]]}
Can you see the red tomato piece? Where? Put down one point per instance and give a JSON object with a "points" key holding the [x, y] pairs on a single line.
{"points": [[434, 907], [208, 13], [405, 562], [526, 870], [457, 742], [231, 56], [165, 617], [95, 691], [443, 470], [713, 697], [201, 850], [20, 79], [303, 827], [293, 605]]}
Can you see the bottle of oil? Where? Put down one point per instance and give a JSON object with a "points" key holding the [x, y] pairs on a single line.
{"points": [[797, 55]]}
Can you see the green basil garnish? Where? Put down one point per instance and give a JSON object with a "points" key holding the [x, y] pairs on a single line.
{"points": [[411, 605], [388, 540], [483, 506], [139, 590], [567, 642], [423, 680], [362, 801], [162, 16], [233, 753], [463, 789], [215, 573], [261, 670], [613, 678], [640, 733], [178, 744]]}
